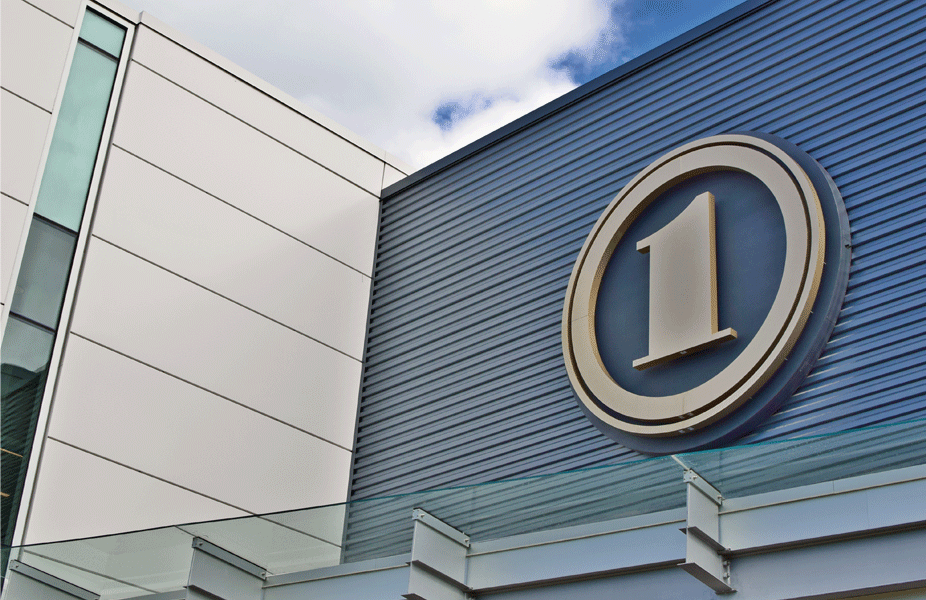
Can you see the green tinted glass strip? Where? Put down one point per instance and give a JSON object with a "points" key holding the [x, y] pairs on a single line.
{"points": [[76, 140], [43, 274], [102, 33]]}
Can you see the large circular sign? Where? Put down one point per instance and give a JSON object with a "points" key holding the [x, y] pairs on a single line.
{"points": [[695, 286]]}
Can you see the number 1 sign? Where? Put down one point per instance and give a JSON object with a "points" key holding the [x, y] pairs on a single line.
{"points": [[772, 265]]}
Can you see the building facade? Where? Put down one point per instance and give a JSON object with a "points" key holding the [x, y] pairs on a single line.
{"points": [[187, 382], [209, 301]]}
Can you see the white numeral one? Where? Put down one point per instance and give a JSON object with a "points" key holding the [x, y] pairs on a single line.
{"points": [[683, 286]]}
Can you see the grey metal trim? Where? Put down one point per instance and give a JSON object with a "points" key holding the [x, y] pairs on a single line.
{"points": [[426, 583], [631, 66], [879, 513], [703, 549], [174, 595], [52, 581], [707, 489], [828, 488], [227, 557], [438, 567], [343, 570], [852, 568], [422, 516], [599, 556], [578, 532]]}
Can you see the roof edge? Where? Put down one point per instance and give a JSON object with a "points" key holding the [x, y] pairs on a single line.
{"points": [[586, 89]]}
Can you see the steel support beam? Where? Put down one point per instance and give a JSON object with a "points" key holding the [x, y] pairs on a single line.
{"points": [[702, 547], [437, 569], [216, 573], [23, 581]]}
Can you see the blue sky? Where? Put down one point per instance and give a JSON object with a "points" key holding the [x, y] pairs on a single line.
{"points": [[422, 78], [645, 25]]}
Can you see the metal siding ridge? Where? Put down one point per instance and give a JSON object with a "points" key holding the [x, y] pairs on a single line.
{"points": [[487, 271], [565, 417], [900, 208], [490, 388], [425, 349], [412, 404], [871, 297], [874, 267], [910, 325], [557, 423]]}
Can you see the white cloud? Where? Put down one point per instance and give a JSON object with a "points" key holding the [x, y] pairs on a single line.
{"points": [[382, 67]]}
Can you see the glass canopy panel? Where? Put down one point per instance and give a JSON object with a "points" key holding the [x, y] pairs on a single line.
{"points": [[277, 548], [118, 566], [102, 33], [383, 527], [771, 466], [76, 140], [158, 560]]}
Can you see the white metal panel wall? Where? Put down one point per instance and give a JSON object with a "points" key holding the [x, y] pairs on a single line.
{"points": [[215, 244], [77, 489], [65, 11], [218, 328], [231, 160], [34, 51], [189, 436], [24, 128], [360, 164], [145, 312], [12, 222]]}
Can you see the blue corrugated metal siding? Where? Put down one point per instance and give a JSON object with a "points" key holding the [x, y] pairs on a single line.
{"points": [[464, 379]]}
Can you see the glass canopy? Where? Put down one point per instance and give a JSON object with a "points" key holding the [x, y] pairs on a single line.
{"points": [[158, 560]]}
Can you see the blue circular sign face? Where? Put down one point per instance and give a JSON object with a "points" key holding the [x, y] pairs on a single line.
{"points": [[749, 239], [705, 293]]}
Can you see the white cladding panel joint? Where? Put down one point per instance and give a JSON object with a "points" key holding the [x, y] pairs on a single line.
{"points": [[26, 31], [244, 167]]}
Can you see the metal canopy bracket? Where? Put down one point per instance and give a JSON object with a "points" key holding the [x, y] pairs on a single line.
{"points": [[702, 549], [218, 573], [437, 570], [23, 581]]}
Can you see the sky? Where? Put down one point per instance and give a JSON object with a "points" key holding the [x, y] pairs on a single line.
{"points": [[422, 78]]}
